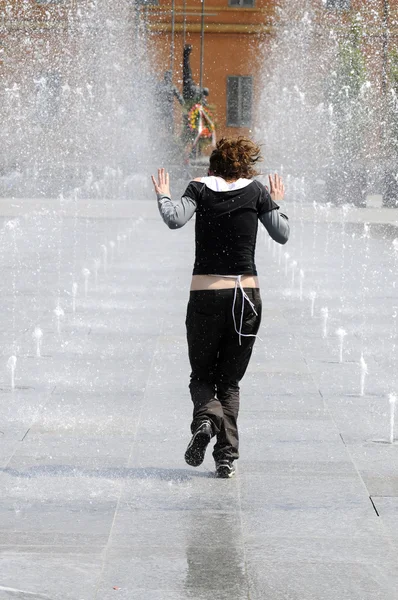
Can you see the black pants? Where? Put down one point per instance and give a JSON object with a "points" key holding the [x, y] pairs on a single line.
{"points": [[218, 361]]}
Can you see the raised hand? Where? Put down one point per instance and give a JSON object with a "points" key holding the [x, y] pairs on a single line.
{"points": [[162, 185], [277, 189]]}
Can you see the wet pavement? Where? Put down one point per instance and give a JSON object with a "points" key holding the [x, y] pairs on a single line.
{"points": [[96, 501]]}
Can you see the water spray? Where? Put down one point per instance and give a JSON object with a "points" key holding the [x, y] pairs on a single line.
{"points": [[74, 294], [38, 336], [392, 400], [97, 265], [59, 313], [86, 274], [11, 366], [341, 333], [287, 256], [293, 267], [112, 247], [105, 257], [364, 372], [395, 247], [301, 283], [313, 296], [325, 317]]}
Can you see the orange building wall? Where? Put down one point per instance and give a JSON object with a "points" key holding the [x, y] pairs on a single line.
{"points": [[233, 37], [232, 40], [236, 39]]}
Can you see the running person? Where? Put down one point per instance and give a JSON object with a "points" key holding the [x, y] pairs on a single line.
{"points": [[224, 308]]}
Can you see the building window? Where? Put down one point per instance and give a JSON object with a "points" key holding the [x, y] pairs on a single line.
{"points": [[239, 101], [244, 3], [338, 4]]}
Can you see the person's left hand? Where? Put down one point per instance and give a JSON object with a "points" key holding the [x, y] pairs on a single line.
{"points": [[162, 186], [277, 189]]}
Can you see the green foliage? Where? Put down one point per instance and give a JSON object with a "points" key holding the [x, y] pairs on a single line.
{"points": [[352, 67], [393, 63], [392, 108], [347, 95], [350, 74]]}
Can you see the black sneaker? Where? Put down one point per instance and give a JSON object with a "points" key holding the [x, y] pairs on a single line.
{"points": [[225, 469], [196, 450]]}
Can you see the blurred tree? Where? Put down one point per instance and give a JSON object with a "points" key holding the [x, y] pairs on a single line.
{"points": [[390, 170], [348, 96]]}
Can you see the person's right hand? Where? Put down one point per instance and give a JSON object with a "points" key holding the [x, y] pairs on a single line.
{"points": [[162, 185], [277, 189]]}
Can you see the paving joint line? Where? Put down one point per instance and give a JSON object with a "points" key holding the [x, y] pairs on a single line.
{"points": [[374, 506]]}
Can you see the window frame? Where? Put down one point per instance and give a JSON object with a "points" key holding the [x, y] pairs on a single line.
{"points": [[240, 109], [338, 5], [240, 3]]}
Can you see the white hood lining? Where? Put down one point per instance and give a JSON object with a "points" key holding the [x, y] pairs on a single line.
{"points": [[218, 184]]}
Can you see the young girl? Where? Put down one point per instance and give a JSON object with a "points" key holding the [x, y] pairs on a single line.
{"points": [[224, 309]]}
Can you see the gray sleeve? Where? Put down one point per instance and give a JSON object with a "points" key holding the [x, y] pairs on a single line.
{"points": [[277, 225], [176, 214]]}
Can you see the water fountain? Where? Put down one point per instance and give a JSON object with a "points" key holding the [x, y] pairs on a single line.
{"points": [[319, 75], [313, 296], [59, 314], [301, 280], [11, 365], [325, 318], [364, 371], [112, 247], [393, 401], [287, 256], [97, 265], [92, 103], [74, 294], [293, 267], [104, 257], [341, 334], [74, 246], [364, 284], [38, 336], [86, 274]]}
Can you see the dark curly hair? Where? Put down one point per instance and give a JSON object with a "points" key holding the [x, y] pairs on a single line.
{"points": [[234, 158]]}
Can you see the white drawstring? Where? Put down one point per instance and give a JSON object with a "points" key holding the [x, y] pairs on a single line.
{"points": [[238, 282]]}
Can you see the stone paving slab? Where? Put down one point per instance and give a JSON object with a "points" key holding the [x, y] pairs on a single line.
{"points": [[284, 520], [295, 580], [53, 572]]}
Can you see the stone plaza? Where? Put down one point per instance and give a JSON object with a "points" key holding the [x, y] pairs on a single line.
{"points": [[96, 501]]}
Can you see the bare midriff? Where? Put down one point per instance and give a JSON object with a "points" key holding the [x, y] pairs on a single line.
{"points": [[214, 282]]}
